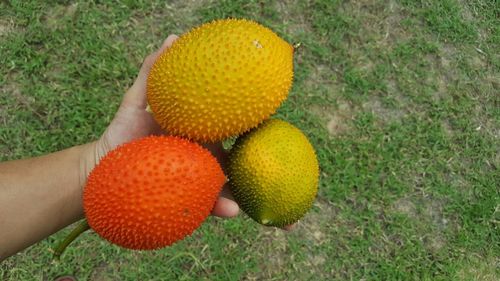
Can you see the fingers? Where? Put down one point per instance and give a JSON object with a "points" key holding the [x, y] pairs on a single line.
{"points": [[225, 208], [149, 61], [168, 42], [136, 95]]}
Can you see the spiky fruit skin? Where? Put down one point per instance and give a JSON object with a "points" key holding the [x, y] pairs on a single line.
{"points": [[152, 192], [220, 80], [273, 173]]}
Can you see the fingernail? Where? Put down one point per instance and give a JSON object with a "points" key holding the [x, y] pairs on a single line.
{"points": [[232, 208], [170, 39]]}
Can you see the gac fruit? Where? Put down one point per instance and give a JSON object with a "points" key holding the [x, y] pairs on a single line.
{"points": [[220, 80], [273, 173], [152, 192]]}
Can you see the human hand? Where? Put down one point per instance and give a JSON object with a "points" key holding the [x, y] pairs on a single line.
{"points": [[132, 121]]}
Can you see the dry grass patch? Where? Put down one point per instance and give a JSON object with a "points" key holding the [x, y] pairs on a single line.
{"points": [[293, 18], [384, 113], [53, 15], [279, 259], [6, 27], [427, 211], [18, 101], [337, 118], [480, 268], [405, 206]]}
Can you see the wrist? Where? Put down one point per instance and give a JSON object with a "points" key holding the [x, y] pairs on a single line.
{"points": [[90, 155]]}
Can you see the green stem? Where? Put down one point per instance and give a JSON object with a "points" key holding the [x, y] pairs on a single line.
{"points": [[79, 229]]}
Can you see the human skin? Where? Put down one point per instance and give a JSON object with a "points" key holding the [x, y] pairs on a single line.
{"points": [[41, 195]]}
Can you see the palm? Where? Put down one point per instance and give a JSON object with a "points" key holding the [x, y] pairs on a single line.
{"points": [[132, 121]]}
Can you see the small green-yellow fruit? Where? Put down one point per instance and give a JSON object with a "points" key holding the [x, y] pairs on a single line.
{"points": [[273, 173], [220, 80]]}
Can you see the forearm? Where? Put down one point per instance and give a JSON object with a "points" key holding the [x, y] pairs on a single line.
{"points": [[41, 195]]}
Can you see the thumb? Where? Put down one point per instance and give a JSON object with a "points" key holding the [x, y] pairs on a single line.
{"points": [[136, 95]]}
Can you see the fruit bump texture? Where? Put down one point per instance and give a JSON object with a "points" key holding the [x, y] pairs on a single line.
{"points": [[220, 79], [152, 192], [273, 173]]}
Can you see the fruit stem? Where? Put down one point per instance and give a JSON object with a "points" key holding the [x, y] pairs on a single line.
{"points": [[296, 46], [79, 229]]}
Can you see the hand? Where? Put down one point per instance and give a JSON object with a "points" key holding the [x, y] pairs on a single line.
{"points": [[132, 121]]}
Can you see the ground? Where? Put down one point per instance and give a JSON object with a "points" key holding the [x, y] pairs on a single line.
{"points": [[399, 98]]}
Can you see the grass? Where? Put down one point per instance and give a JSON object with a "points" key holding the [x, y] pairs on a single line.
{"points": [[399, 98]]}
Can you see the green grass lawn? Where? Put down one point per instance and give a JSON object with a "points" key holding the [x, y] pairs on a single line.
{"points": [[401, 100]]}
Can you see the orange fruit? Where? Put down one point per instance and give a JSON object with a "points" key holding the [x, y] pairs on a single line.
{"points": [[152, 192]]}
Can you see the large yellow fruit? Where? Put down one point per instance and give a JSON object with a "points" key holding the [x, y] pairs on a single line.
{"points": [[220, 80], [273, 173]]}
